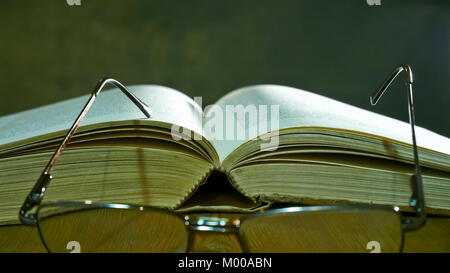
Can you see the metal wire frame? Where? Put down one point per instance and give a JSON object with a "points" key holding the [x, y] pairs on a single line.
{"points": [[417, 200], [37, 193], [211, 224]]}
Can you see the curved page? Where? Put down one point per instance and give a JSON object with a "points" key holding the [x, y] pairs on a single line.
{"points": [[167, 105], [299, 108]]}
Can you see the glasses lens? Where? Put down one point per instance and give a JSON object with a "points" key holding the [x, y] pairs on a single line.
{"points": [[355, 230], [75, 229]]}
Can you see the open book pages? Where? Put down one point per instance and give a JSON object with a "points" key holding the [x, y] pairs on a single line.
{"points": [[289, 145]]}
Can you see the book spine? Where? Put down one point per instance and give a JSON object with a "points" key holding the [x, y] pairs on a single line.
{"points": [[195, 187]]}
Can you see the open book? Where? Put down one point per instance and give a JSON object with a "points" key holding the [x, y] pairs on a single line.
{"points": [[289, 146]]}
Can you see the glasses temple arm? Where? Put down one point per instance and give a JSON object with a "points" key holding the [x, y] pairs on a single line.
{"points": [[417, 200], [38, 190]]}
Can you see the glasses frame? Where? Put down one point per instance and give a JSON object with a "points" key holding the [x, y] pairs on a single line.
{"points": [[36, 195], [193, 222], [417, 200]]}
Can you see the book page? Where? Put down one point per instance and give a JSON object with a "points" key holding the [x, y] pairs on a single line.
{"points": [[299, 108], [167, 105]]}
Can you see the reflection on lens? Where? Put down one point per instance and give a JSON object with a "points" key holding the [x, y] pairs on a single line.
{"points": [[355, 230], [112, 230]]}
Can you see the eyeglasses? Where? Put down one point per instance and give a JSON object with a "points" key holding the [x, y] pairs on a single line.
{"points": [[105, 227], [99, 227]]}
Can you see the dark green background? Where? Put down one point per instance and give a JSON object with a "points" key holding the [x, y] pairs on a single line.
{"points": [[50, 51]]}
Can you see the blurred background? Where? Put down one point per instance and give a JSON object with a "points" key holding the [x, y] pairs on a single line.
{"points": [[51, 51]]}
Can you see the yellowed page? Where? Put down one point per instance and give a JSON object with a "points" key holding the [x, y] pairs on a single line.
{"points": [[299, 108], [167, 105]]}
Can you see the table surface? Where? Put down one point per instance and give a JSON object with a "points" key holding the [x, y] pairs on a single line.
{"points": [[434, 237]]}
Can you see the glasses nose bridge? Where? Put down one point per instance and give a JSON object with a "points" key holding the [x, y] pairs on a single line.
{"points": [[213, 234], [208, 223]]}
